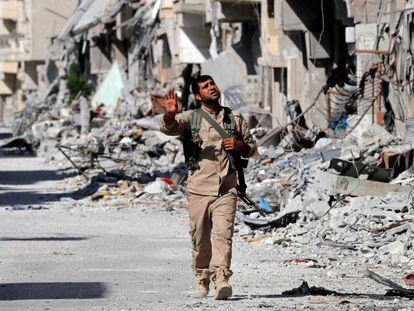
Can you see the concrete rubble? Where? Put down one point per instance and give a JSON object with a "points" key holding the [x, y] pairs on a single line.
{"points": [[377, 227], [138, 165], [339, 184]]}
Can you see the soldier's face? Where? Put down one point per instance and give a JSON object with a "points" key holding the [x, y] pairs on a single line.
{"points": [[209, 91]]}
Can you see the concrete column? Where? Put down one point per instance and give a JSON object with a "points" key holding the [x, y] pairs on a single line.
{"points": [[85, 115]]}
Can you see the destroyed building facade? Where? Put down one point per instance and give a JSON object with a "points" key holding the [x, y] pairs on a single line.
{"points": [[326, 86], [308, 45], [27, 28], [264, 54]]}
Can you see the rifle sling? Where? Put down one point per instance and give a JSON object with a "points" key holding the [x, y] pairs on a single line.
{"points": [[223, 133], [233, 160]]}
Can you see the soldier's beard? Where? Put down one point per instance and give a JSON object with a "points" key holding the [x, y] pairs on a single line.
{"points": [[213, 102]]}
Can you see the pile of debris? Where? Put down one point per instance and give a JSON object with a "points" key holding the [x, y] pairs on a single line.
{"points": [[353, 194], [348, 187]]}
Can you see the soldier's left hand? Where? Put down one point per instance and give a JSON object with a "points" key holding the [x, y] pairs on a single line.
{"points": [[233, 144]]}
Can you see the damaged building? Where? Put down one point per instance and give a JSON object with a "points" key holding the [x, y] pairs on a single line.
{"points": [[297, 77], [326, 86], [344, 47], [268, 57], [26, 30]]}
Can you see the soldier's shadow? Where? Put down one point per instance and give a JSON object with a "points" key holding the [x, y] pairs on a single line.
{"points": [[53, 290]]}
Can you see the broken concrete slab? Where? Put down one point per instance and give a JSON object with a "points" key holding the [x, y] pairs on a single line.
{"points": [[356, 187], [318, 209], [396, 248]]}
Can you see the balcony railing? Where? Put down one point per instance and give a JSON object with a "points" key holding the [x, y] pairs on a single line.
{"points": [[11, 47], [10, 40]]}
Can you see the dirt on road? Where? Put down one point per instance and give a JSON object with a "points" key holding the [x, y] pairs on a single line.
{"points": [[65, 256]]}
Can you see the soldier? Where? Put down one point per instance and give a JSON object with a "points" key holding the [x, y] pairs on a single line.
{"points": [[212, 181]]}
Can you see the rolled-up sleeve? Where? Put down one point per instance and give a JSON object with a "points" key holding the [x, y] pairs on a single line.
{"points": [[178, 127]]}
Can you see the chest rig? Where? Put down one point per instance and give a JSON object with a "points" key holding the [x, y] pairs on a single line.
{"points": [[192, 141]]}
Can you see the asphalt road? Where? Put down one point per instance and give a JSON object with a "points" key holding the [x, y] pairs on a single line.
{"points": [[71, 257]]}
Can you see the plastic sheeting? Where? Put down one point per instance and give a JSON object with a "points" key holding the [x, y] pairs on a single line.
{"points": [[110, 90]]}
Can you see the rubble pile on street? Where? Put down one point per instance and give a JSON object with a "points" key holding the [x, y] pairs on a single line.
{"points": [[351, 192], [348, 186], [130, 161], [365, 210]]}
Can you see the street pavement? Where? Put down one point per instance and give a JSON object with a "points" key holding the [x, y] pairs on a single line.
{"points": [[70, 257]]}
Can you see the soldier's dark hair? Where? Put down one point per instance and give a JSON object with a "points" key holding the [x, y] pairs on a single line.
{"points": [[194, 85]]}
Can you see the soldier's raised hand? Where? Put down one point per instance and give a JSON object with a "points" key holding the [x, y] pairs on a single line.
{"points": [[171, 102]]}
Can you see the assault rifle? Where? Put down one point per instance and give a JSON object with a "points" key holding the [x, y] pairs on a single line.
{"points": [[236, 162], [242, 187]]}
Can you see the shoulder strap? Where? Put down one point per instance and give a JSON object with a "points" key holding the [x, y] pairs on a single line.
{"points": [[223, 133], [195, 122], [193, 142], [229, 122]]}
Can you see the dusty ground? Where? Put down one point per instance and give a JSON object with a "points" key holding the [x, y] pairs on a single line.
{"points": [[68, 257]]}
